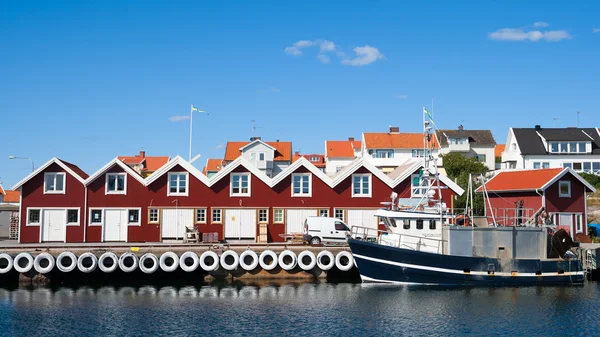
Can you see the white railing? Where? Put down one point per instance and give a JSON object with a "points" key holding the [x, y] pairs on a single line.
{"points": [[405, 241]]}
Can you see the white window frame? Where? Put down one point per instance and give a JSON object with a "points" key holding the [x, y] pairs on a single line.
{"points": [[335, 210], [29, 223], [212, 216], [324, 211], [139, 220], [187, 184], [124, 191], [76, 223], [54, 174], [301, 193], [157, 215], [369, 182], [568, 184], [101, 223], [266, 214], [578, 223], [196, 215], [241, 175], [422, 187], [262, 156], [275, 216]]}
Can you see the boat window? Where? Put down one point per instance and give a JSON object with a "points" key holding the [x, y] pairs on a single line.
{"points": [[432, 224], [389, 221], [419, 224], [406, 224]]}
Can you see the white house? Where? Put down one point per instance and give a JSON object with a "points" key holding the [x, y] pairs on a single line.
{"points": [[472, 143], [269, 157], [534, 148], [340, 153], [388, 150]]}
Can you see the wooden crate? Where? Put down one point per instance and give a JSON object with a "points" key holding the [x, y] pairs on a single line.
{"points": [[14, 226]]}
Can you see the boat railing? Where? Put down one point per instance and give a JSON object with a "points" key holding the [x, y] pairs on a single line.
{"points": [[406, 241]]}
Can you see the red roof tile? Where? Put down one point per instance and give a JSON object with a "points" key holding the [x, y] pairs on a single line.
{"points": [[212, 165], [341, 148], [320, 162], [521, 180], [283, 150], [12, 196], [151, 163], [75, 169], [383, 140], [499, 149]]}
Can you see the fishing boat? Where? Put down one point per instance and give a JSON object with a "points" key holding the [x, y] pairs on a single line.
{"points": [[423, 245]]}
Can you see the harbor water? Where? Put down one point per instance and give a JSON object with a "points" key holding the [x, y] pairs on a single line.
{"points": [[299, 309]]}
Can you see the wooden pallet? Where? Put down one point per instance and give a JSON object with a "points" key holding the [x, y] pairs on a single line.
{"points": [[13, 233]]}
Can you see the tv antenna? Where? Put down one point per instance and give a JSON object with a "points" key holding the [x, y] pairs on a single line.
{"points": [[254, 127], [554, 119]]}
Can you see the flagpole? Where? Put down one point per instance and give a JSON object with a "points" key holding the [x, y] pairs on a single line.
{"points": [[191, 114]]}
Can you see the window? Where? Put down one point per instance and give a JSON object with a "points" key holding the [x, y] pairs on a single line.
{"points": [[578, 222], [301, 185], [481, 158], [315, 159], [178, 183], [420, 153], [261, 156], [536, 165], [577, 166], [96, 216], [596, 167], [406, 224], [153, 215], [431, 224], [563, 146], [554, 147], [339, 214], [340, 226], [384, 154], [572, 147], [216, 216], [54, 182], [33, 216], [420, 184], [324, 212], [564, 189], [545, 165], [116, 183], [419, 224], [134, 216], [278, 215], [582, 147], [338, 169], [587, 167], [514, 146], [458, 141], [565, 165], [201, 216], [73, 216], [361, 185], [240, 184], [263, 215]]}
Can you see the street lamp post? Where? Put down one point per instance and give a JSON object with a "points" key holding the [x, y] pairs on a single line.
{"points": [[27, 158]]}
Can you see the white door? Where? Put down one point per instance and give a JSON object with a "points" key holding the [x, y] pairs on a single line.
{"points": [[54, 225], [566, 222], [294, 219], [115, 225], [174, 222], [362, 218], [240, 224]]}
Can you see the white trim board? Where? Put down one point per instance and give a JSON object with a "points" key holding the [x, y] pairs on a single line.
{"points": [[45, 166]]}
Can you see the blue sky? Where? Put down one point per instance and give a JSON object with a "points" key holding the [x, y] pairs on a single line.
{"points": [[87, 81]]}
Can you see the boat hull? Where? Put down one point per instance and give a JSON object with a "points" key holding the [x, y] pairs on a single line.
{"points": [[380, 263]]}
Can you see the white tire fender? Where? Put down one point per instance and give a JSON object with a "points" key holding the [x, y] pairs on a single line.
{"points": [[27, 267], [169, 256], [105, 257], [323, 265], [263, 264], [215, 261], [288, 266], [184, 257], [128, 256], [38, 260], [92, 258], [233, 265], [253, 256], [310, 265], [338, 261], [9, 263]]}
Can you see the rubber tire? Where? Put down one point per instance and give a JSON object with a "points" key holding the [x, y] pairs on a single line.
{"points": [[311, 265], [236, 260], [29, 265], [213, 266], [39, 268], [108, 255], [338, 260], [253, 265], [290, 266], [69, 268], [163, 264], [263, 264], [9, 265], [87, 269], [320, 264], [315, 240], [124, 268], [145, 269], [185, 267]]}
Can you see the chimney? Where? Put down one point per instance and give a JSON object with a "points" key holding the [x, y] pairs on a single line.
{"points": [[538, 127], [351, 139], [460, 128], [143, 154], [296, 153], [254, 138], [394, 129], [277, 140]]}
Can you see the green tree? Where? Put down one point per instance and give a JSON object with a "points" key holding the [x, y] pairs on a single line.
{"points": [[458, 167], [593, 179]]}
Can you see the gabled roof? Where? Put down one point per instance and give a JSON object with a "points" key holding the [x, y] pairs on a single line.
{"points": [[341, 148], [12, 196], [151, 163], [212, 165], [292, 168], [171, 164], [257, 141], [476, 137], [409, 167], [349, 169], [530, 142], [283, 150], [498, 149], [529, 180], [120, 163], [2, 190], [240, 161], [72, 169], [385, 140], [320, 162]]}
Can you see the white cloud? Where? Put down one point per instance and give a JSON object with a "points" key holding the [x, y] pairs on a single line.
{"points": [[595, 30], [541, 24], [326, 46], [178, 118], [269, 89], [401, 96], [519, 34], [364, 55], [220, 146], [323, 58], [295, 48]]}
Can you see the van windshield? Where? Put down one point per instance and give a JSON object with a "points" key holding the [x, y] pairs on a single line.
{"points": [[340, 226]]}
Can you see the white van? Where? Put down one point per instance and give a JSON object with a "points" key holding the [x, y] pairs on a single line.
{"points": [[320, 228]]}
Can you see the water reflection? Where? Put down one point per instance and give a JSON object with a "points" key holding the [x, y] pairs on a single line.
{"points": [[288, 308]]}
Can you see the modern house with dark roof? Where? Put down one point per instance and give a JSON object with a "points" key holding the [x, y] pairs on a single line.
{"points": [[479, 144], [535, 148]]}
